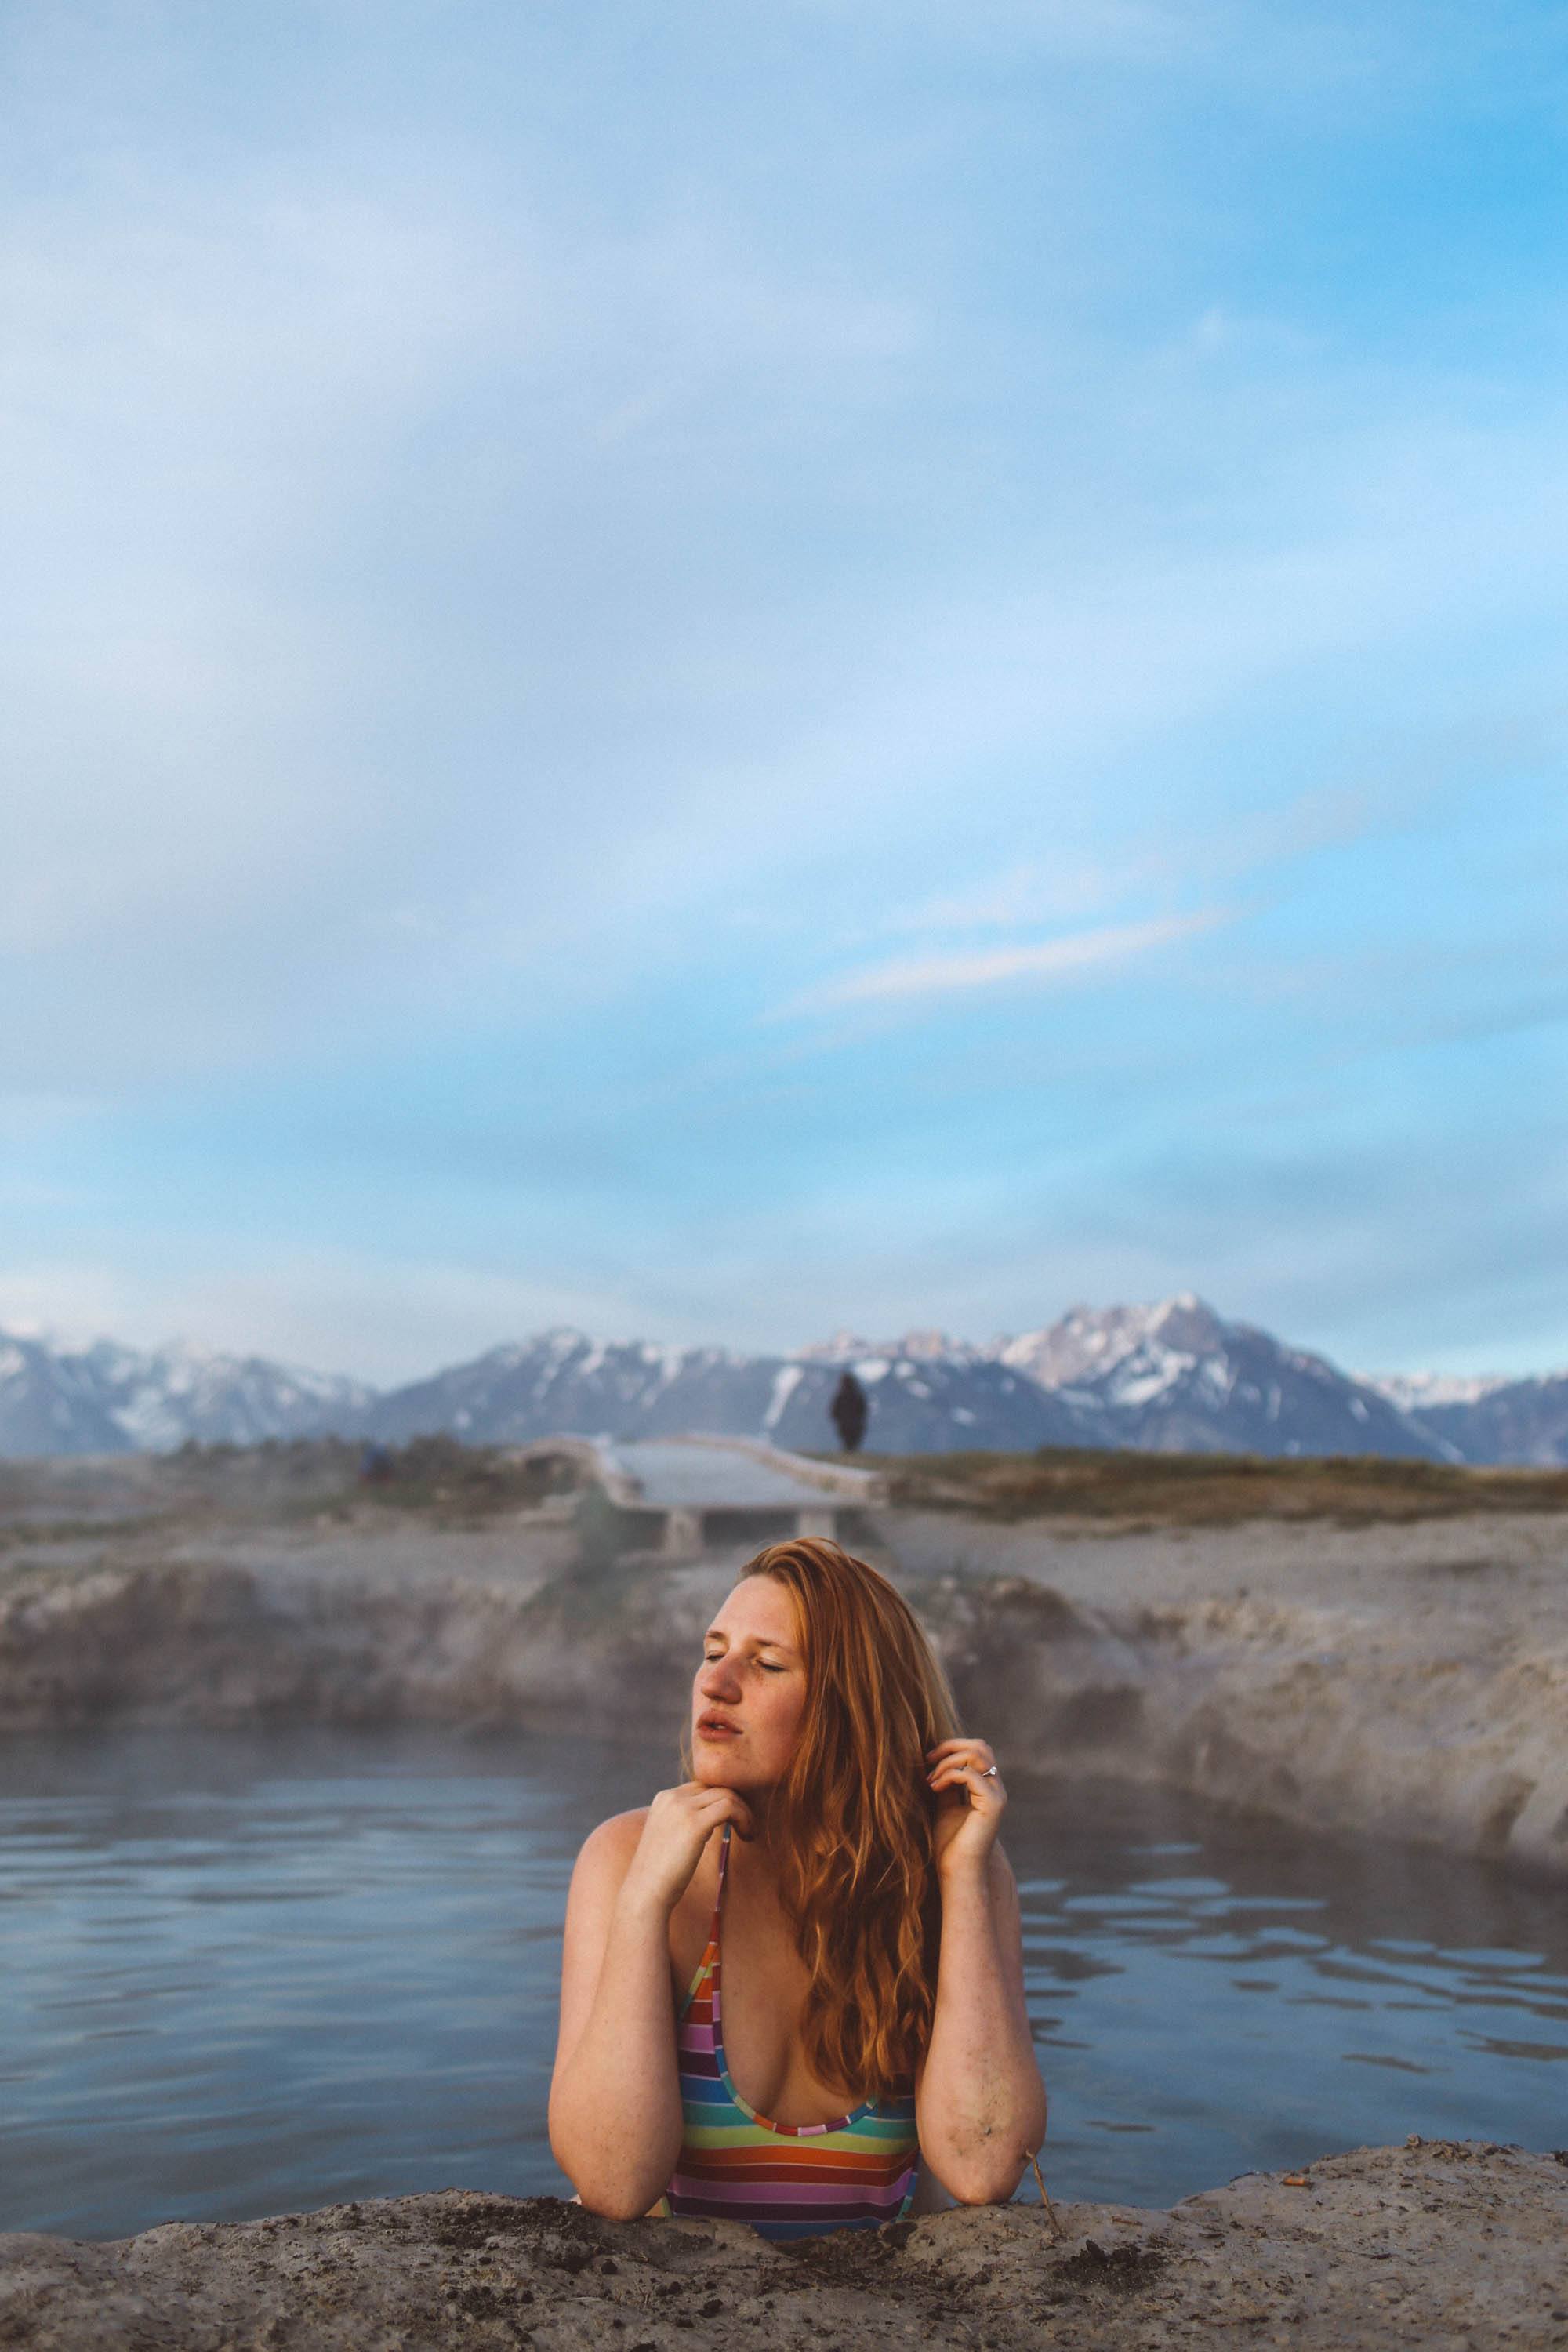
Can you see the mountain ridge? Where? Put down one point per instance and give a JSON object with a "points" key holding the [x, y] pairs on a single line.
{"points": [[1171, 1375]]}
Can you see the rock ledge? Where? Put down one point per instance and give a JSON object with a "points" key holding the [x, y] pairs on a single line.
{"points": [[1453, 2246]]}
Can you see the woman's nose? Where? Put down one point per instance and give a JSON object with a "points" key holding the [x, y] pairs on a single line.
{"points": [[718, 1680]]}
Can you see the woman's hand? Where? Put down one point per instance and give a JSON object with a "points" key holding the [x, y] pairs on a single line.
{"points": [[971, 1802], [678, 1825]]}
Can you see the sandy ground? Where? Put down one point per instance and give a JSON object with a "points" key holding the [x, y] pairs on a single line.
{"points": [[1449, 2246]]}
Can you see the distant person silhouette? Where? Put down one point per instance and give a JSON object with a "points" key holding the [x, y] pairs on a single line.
{"points": [[374, 1463], [847, 1412]]}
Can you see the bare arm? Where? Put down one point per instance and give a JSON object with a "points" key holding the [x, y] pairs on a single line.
{"points": [[980, 2102], [615, 2096]]}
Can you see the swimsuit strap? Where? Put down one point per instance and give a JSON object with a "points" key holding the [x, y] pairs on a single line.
{"points": [[719, 1892]]}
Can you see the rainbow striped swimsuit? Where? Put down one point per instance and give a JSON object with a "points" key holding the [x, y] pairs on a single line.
{"points": [[788, 2180]]}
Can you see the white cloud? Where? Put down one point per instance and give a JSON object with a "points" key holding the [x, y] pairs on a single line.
{"points": [[1040, 962], [1044, 889], [1035, 891]]}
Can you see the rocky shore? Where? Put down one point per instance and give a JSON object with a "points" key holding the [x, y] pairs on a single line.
{"points": [[1403, 1680], [1449, 2246]]}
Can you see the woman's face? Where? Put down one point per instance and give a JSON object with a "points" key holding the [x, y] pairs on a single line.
{"points": [[750, 1691]]}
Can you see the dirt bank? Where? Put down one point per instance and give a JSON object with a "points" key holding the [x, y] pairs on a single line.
{"points": [[1451, 2246]]}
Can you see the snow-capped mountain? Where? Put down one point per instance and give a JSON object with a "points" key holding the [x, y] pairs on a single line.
{"points": [[1525, 1422], [1176, 1378], [51, 1402], [920, 1347], [1424, 1391], [107, 1399], [162, 1397], [1171, 1377], [566, 1380]]}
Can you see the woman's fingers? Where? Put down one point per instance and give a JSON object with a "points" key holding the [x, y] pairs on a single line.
{"points": [[740, 1812], [984, 1788], [675, 1834], [978, 1752], [711, 1803], [957, 1768], [961, 1755]]}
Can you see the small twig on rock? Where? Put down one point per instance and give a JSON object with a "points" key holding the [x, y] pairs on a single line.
{"points": [[1045, 2198]]}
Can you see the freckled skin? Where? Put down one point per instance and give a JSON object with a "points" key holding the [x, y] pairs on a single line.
{"points": [[752, 1675]]}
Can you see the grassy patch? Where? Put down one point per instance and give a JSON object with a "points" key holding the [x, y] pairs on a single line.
{"points": [[436, 1478], [1163, 1490], [442, 1474]]}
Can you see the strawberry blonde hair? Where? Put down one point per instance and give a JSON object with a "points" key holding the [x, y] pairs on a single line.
{"points": [[853, 1824]]}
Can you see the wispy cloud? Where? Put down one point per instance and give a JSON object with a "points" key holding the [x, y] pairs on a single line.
{"points": [[1197, 858], [1034, 889], [1040, 963]]}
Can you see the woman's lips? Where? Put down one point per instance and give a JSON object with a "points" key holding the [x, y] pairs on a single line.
{"points": [[713, 1727]]}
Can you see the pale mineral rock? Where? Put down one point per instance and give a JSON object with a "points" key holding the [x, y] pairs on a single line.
{"points": [[1398, 1680], [1451, 2246]]}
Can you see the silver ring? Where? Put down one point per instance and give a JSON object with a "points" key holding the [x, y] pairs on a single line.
{"points": [[990, 1772]]}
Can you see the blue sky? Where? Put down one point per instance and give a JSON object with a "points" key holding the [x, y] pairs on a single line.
{"points": [[719, 672]]}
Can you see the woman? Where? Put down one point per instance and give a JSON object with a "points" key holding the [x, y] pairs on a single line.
{"points": [[818, 1925]]}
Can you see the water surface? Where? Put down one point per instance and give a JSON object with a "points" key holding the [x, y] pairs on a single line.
{"points": [[251, 1973]]}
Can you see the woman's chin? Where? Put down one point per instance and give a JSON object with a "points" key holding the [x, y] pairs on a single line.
{"points": [[716, 1766]]}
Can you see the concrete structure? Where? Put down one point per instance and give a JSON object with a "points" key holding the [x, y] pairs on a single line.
{"points": [[679, 1495]]}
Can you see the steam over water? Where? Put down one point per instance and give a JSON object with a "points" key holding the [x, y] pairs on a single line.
{"points": [[250, 1973]]}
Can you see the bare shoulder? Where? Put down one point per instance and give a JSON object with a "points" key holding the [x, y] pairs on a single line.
{"points": [[606, 1853]]}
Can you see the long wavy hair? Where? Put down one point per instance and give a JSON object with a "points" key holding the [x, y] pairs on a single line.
{"points": [[852, 1819]]}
